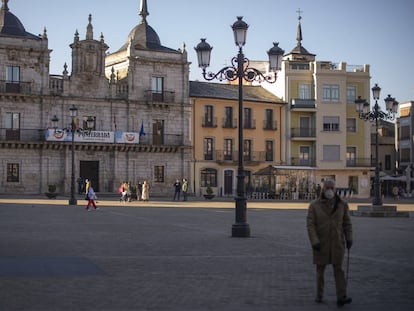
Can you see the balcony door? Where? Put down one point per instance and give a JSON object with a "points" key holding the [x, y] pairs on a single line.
{"points": [[305, 125], [158, 130]]}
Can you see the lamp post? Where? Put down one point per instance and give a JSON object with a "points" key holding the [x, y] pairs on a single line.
{"points": [[374, 115], [73, 128], [240, 70]]}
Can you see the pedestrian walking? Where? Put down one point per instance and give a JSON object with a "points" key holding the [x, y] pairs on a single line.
{"points": [[91, 198], [177, 190], [139, 191], [318, 190], [145, 191], [87, 185], [184, 188], [330, 231]]}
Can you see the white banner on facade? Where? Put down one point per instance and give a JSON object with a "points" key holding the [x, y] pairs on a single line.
{"points": [[81, 136]]}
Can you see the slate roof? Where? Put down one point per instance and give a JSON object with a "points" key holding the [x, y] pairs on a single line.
{"points": [[230, 91], [10, 25]]}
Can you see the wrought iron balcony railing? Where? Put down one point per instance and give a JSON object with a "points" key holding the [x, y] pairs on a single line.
{"points": [[270, 125], [253, 156], [38, 135], [16, 87], [360, 162], [159, 97], [208, 122], [229, 123], [302, 103], [305, 132], [295, 161]]}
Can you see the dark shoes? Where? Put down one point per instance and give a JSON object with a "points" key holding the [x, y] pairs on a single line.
{"points": [[343, 301]]}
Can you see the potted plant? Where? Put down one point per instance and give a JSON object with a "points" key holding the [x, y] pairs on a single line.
{"points": [[51, 191], [209, 193]]}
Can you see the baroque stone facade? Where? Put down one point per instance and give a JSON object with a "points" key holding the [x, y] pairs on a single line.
{"points": [[136, 99]]}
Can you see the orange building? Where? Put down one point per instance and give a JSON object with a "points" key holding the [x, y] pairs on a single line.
{"points": [[214, 133]]}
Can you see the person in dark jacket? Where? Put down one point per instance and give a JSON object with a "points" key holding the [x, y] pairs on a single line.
{"points": [[177, 190], [330, 231]]}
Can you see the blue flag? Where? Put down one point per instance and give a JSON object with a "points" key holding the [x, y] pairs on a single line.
{"points": [[141, 131]]}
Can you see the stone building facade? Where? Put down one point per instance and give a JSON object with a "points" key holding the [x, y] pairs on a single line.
{"points": [[135, 102]]}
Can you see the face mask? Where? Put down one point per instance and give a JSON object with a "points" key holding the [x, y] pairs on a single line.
{"points": [[329, 194]]}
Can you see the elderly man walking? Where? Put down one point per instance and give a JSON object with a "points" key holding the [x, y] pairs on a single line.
{"points": [[330, 231]]}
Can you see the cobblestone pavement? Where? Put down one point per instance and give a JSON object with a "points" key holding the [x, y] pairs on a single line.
{"points": [[180, 256]]}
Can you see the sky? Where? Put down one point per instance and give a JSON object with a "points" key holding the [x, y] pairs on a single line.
{"points": [[378, 33]]}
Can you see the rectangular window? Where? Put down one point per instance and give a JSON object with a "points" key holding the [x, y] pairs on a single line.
{"points": [[351, 125], [269, 119], [331, 124], [208, 118], [330, 92], [228, 149], [12, 120], [350, 156], [158, 132], [269, 150], [247, 150], [247, 118], [159, 173], [208, 148], [157, 85], [12, 124], [304, 91], [13, 172], [404, 132], [331, 152], [351, 94], [228, 117], [157, 88], [208, 177], [12, 74], [12, 79], [304, 155], [305, 129]]}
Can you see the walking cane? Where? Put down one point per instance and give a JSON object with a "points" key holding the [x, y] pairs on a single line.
{"points": [[347, 268]]}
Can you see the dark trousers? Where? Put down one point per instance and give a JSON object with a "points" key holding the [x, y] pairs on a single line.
{"points": [[177, 195], [339, 276]]}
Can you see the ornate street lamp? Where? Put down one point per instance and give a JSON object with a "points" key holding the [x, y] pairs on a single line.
{"points": [[240, 70], [363, 109], [73, 128]]}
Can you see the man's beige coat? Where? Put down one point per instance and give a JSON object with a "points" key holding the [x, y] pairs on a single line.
{"points": [[330, 227]]}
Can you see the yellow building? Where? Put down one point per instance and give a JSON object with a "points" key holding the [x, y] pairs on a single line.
{"points": [[215, 135], [324, 136]]}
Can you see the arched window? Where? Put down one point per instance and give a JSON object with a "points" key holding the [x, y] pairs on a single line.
{"points": [[208, 177]]}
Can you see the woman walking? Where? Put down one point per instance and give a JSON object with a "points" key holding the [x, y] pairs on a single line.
{"points": [[91, 199]]}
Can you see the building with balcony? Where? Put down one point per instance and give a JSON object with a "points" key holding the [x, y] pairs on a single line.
{"points": [[324, 136], [137, 99], [215, 135], [405, 144]]}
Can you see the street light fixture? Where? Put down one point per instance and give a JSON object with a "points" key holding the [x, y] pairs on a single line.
{"points": [[73, 128], [240, 70], [364, 112]]}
